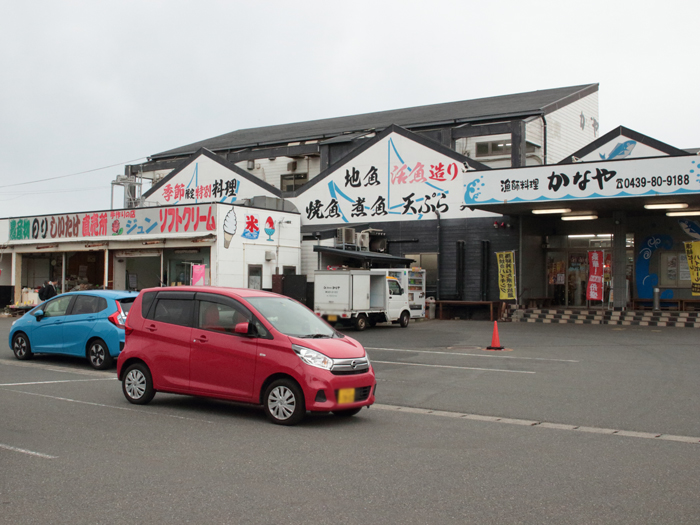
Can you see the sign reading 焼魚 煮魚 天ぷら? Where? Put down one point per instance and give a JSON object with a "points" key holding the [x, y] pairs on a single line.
{"points": [[506, 275], [589, 180], [692, 254]]}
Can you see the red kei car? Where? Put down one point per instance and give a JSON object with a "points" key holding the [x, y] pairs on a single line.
{"points": [[243, 345]]}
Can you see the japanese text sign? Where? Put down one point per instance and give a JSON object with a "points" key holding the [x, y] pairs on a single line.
{"points": [[594, 288]]}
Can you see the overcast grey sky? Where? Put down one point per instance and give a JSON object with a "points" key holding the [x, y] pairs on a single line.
{"points": [[99, 84]]}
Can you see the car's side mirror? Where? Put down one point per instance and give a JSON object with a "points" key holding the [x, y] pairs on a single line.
{"points": [[38, 314], [245, 328]]}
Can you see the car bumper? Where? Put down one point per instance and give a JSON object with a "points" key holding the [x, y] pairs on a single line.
{"points": [[325, 392]]}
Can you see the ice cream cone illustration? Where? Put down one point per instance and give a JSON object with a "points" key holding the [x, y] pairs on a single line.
{"points": [[229, 227]]}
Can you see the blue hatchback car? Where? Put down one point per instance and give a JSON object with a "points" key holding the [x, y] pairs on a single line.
{"points": [[86, 324]]}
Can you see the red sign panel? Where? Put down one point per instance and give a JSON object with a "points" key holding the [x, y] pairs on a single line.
{"points": [[594, 289]]}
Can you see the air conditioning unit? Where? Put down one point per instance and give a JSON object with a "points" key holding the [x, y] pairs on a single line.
{"points": [[292, 166], [378, 244], [345, 236], [269, 255], [363, 241]]}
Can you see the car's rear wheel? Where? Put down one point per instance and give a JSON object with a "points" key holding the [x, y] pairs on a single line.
{"points": [[284, 402], [361, 322], [21, 347], [98, 355], [347, 413], [137, 384]]}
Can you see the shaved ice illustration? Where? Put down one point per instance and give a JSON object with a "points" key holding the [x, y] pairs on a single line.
{"points": [[229, 227], [269, 228]]}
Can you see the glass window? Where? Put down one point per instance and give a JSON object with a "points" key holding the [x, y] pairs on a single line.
{"points": [[291, 317], [293, 181], [126, 303], [57, 306], [88, 304], [174, 311], [146, 303], [394, 288], [222, 317]]}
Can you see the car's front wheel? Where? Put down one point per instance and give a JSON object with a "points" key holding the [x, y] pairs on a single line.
{"points": [[98, 355], [284, 402], [137, 384], [404, 319], [21, 347]]}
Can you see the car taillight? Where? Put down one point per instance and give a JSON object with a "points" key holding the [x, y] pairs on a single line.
{"points": [[127, 329], [118, 318]]}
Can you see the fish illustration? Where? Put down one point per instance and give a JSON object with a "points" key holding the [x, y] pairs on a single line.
{"points": [[621, 151], [690, 227]]}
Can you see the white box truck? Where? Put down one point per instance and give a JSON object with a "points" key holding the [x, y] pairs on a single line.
{"points": [[360, 298]]}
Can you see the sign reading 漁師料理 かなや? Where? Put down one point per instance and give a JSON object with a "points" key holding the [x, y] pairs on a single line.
{"points": [[628, 178]]}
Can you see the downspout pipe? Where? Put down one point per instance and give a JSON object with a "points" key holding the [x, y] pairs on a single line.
{"points": [[544, 137], [439, 258]]}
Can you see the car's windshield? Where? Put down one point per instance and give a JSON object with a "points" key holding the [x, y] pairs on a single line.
{"points": [[291, 318]]}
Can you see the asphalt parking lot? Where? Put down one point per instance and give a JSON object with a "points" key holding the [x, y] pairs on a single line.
{"points": [[570, 425]]}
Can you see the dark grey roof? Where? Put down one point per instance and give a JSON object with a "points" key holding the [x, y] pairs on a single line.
{"points": [[505, 106], [364, 256]]}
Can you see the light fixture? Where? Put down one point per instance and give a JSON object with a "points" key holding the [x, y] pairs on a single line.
{"points": [[46, 246], [152, 242], [682, 213], [582, 217], [553, 210], [673, 206], [585, 235], [95, 245]]}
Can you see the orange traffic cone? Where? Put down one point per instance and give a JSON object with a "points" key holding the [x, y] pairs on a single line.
{"points": [[495, 343]]}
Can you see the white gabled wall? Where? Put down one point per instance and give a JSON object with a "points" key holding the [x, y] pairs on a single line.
{"points": [[271, 171], [309, 258], [565, 133]]}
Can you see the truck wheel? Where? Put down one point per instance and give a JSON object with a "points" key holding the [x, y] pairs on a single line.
{"points": [[404, 319], [361, 322]]}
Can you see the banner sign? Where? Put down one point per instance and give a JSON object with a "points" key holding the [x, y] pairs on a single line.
{"points": [[506, 275], [591, 180], [594, 289], [173, 220], [198, 275], [692, 254]]}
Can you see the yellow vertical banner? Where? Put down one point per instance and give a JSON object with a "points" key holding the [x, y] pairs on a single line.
{"points": [[692, 253], [506, 274]]}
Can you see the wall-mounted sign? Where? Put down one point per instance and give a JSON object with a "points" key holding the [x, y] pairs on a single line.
{"points": [[174, 220], [595, 180]]}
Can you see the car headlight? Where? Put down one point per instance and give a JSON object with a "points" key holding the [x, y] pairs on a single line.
{"points": [[313, 358]]}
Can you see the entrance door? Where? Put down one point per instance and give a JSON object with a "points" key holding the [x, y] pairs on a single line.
{"points": [[576, 278], [255, 277], [556, 277]]}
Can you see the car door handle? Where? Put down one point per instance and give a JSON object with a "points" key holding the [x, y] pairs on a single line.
{"points": [[151, 328], [201, 339]]}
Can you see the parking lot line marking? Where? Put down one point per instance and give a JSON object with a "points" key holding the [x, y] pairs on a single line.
{"points": [[459, 367], [64, 370], [540, 424], [30, 452], [474, 355], [105, 406], [59, 381]]}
